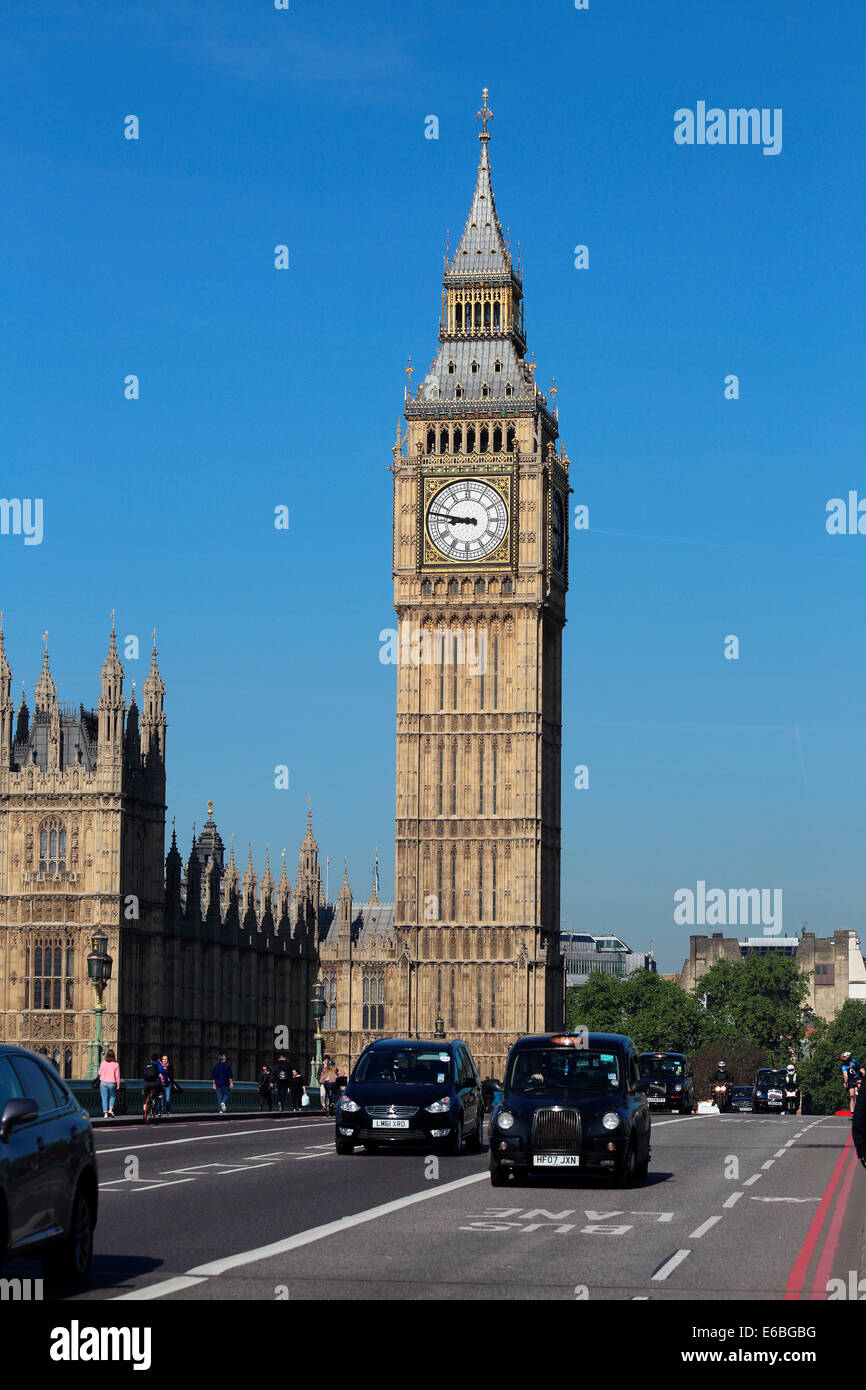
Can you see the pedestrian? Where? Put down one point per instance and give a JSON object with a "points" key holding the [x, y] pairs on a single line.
{"points": [[222, 1082], [327, 1065], [328, 1085], [281, 1081], [109, 1080], [170, 1083], [266, 1086], [297, 1088]]}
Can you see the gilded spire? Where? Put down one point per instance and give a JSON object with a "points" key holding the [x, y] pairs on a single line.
{"points": [[45, 691]]}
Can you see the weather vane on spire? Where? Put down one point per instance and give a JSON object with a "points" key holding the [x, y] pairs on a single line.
{"points": [[484, 115]]}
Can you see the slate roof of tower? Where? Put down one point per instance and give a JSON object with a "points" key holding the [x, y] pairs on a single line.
{"points": [[486, 352], [372, 924], [482, 249]]}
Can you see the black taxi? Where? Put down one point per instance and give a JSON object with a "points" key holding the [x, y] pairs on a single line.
{"points": [[572, 1101]]}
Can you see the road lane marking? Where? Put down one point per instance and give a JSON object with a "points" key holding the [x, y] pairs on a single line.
{"points": [[797, 1277], [831, 1240], [200, 1138], [769, 1163], [182, 1281], [345, 1223], [786, 1199], [732, 1200], [117, 1183], [753, 1178], [704, 1227], [670, 1265], [780, 1153]]}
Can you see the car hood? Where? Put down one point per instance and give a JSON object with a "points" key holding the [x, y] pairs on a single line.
{"points": [[593, 1101], [373, 1093]]}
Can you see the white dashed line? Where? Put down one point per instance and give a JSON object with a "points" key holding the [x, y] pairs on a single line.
{"points": [[670, 1265], [769, 1163], [732, 1200], [704, 1227], [753, 1178]]}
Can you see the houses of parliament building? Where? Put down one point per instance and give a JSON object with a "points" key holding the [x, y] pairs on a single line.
{"points": [[208, 959]]}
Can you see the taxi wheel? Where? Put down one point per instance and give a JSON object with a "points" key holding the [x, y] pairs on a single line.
{"points": [[625, 1175], [498, 1174]]}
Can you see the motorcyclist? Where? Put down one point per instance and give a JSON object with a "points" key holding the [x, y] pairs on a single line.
{"points": [[792, 1082], [721, 1076]]}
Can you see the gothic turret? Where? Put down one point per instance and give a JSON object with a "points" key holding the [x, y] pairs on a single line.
{"points": [[193, 883], [344, 909], [132, 745], [45, 691], [284, 901], [22, 723], [7, 708], [111, 705], [153, 722], [231, 890]]}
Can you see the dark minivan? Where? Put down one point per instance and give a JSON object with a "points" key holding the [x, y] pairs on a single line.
{"points": [[671, 1080], [571, 1102], [405, 1091], [48, 1182]]}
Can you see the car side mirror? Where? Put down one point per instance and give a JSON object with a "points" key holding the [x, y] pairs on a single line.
{"points": [[16, 1112], [643, 1084]]}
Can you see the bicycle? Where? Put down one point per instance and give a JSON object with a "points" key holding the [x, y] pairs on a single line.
{"points": [[154, 1106]]}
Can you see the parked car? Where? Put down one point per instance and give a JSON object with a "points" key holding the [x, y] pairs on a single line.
{"points": [[671, 1084], [572, 1101], [48, 1179], [742, 1097], [769, 1089], [404, 1092]]}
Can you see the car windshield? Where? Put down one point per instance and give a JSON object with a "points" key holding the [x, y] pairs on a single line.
{"points": [[660, 1066], [554, 1072], [770, 1077], [404, 1066]]}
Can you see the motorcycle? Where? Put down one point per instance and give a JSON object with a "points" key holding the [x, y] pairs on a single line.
{"points": [[790, 1100], [722, 1093]]}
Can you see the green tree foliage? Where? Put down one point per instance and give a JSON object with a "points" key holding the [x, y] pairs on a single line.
{"points": [[657, 1014], [821, 1073], [741, 1057], [762, 999]]}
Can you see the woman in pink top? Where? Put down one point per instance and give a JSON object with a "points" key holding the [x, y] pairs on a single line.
{"points": [[109, 1080]]}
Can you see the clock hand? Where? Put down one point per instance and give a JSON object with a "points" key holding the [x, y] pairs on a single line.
{"points": [[456, 520]]}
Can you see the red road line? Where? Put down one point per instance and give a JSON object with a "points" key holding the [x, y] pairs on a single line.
{"points": [[798, 1274], [825, 1264]]}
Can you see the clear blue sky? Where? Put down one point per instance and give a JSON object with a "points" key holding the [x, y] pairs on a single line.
{"points": [[259, 387]]}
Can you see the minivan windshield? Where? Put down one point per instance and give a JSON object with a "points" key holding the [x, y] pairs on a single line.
{"points": [[554, 1072], [660, 1066], [404, 1066]]}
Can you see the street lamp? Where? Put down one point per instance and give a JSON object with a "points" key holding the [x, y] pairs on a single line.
{"points": [[319, 1007], [99, 964], [439, 1028]]}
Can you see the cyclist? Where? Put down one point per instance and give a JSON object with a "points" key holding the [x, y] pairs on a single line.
{"points": [[850, 1076], [155, 1080]]}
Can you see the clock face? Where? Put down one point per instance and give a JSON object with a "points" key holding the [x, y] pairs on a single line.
{"points": [[557, 532], [467, 520]]}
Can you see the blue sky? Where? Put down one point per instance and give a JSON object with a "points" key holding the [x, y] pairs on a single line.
{"points": [[259, 388]]}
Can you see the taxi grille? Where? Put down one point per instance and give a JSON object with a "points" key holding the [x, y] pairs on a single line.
{"points": [[556, 1131]]}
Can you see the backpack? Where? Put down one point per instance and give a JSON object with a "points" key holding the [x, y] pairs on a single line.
{"points": [[151, 1073], [282, 1075]]}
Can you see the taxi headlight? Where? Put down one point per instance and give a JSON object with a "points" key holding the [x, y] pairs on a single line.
{"points": [[610, 1120], [678, 1087], [505, 1119]]}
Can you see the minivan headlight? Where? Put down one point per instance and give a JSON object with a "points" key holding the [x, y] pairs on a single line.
{"points": [[505, 1119], [610, 1120], [437, 1107], [350, 1106]]}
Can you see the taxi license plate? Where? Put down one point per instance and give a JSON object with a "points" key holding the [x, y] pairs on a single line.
{"points": [[657, 1100], [390, 1124], [556, 1161]]}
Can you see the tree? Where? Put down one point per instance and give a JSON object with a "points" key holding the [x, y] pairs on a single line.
{"points": [[762, 999], [821, 1073], [656, 1014]]}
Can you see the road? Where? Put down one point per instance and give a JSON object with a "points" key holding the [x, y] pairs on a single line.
{"points": [[735, 1207]]}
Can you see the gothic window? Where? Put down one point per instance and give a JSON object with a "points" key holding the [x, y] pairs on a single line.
{"points": [[485, 440], [496, 321], [478, 1022], [453, 586], [458, 439], [426, 587], [431, 441], [481, 884], [439, 886], [373, 1010], [453, 884], [458, 323], [495, 674], [495, 771], [497, 439], [510, 438], [454, 777], [509, 390], [507, 586], [451, 362], [485, 390], [479, 586], [52, 983], [458, 391], [474, 366], [478, 315], [443, 441], [441, 760], [438, 991], [67, 1064], [487, 314], [481, 777], [497, 365], [493, 885], [52, 846], [493, 997]]}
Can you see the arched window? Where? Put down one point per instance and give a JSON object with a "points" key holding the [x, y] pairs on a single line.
{"points": [[443, 441], [484, 443], [453, 1011], [478, 315], [496, 318], [509, 389], [485, 390], [453, 586], [487, 314], [67, 1065], [479, 586], [458, 391], [52, 846], [510, 438], [426, 586], [507, 586], [458, 319], [474, 366], [497, 439], [441, 765], [431, 441], [451, 367], [458, 440], [497, 365], [493, 997], [470, 439], [454, 881]]}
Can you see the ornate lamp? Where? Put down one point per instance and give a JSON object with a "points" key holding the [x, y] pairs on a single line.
{"points": [[99, 966], [318, 1008]]}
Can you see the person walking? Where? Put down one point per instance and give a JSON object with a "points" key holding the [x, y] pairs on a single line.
{"points": [[328, 1087], [297, 1088], [170, 1083], [266, 1087], [327, 1065], [281, 1081], [109, 1080], [222, 1083]]}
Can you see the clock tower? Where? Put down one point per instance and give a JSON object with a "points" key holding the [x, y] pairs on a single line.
{"points": [[480, 576]]}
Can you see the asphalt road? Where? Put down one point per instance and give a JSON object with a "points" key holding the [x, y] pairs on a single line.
{"points": [[735, 1207]]}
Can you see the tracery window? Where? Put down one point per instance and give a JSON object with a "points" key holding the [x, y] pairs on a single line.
{"points": [[52, 846]]}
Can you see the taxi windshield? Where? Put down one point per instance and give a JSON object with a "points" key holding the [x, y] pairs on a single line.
{"points": [[554, 1072], [404, 1066], [660, 1066], [768, 1076]]}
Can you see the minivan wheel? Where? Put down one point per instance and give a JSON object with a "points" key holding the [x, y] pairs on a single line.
{"points": [[344, 1146], [455, 1143], [70, 1261], [477, 1140]]}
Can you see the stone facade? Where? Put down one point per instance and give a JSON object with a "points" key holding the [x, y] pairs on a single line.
{"points": [[203, 960], [834, 963]]}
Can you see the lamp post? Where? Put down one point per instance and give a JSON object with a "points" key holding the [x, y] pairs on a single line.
{"points": [[99, 964], [318, 1006], [439, 1026]]}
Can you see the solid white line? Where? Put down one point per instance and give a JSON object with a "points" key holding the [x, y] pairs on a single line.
{"points": [[704, 1227], [281, 1247], [670, 1265], [199, 1138], [732, 1200], [158, 1290], [753, 1178]]}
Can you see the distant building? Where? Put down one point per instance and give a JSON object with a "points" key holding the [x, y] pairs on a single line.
{"points": [[835, 964], [583, 953]]}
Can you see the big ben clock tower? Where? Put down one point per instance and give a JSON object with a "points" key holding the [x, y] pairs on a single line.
{"points": [[480, 575]]}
